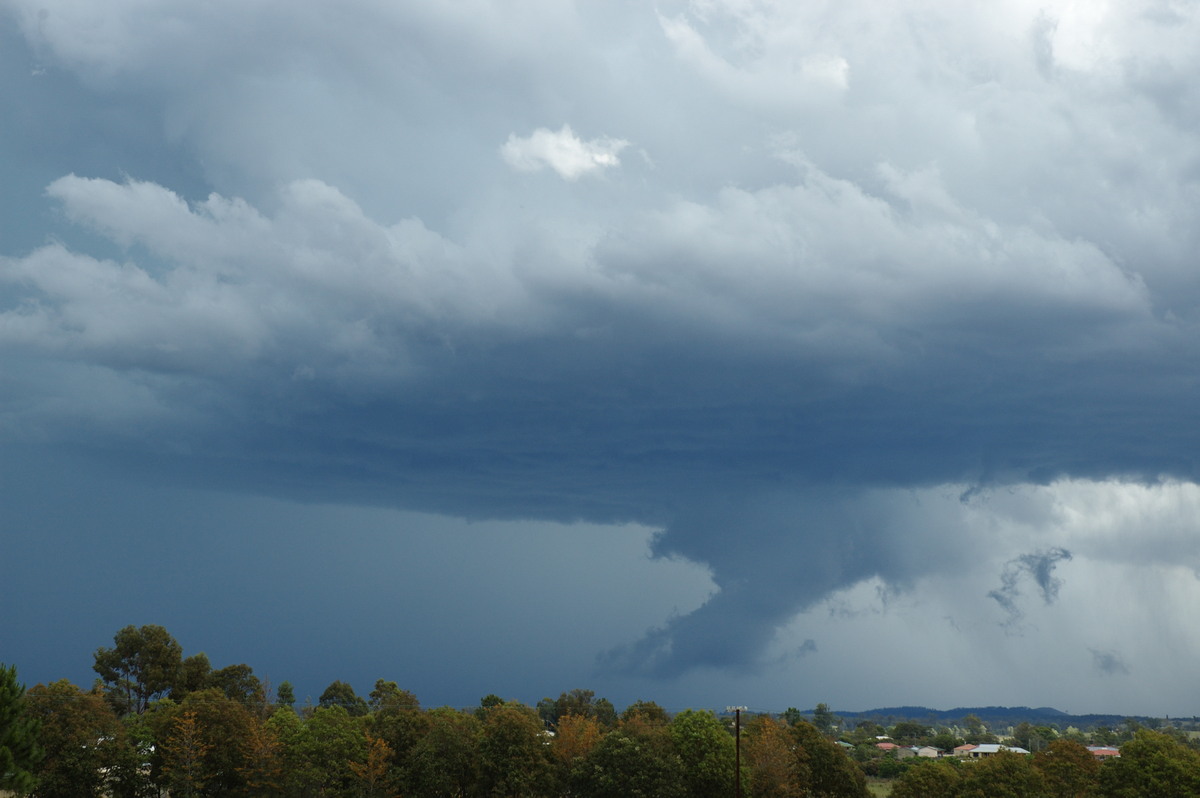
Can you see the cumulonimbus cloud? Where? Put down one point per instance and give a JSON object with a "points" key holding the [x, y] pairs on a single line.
{"points": [[953, 251]]}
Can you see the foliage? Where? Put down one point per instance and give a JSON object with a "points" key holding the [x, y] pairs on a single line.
{"points": [[143, 663], [945, 741], [263, 763], [1003, 775], [374, 775], [19, 749], [82, 739], [574, 738], [323, 749], [624, 765], [1068, 769], [825, 721], [205, 742], [212, 738], [398, 721], [909, 732], [239, 683], [772, 765], [832, 773], [581, 703], [184, 768], [444, 762], [513, 758], [285, 695], [193, 675], [1151, 764], [707, 752], [931, 778], [341, 694], [387, 697], [647, 711]]}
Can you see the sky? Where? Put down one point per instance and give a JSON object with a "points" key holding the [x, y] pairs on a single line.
{"points": [[710, 352]]}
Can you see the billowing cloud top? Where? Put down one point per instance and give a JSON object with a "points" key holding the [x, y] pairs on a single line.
{"points": [[563, 152], [866, 250]]}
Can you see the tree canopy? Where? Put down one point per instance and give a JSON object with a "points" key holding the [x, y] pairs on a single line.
{"points": [[19, 749]]}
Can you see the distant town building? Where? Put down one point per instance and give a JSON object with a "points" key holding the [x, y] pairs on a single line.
{"points": [[1103, 752]]}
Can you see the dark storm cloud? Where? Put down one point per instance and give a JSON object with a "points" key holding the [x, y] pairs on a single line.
{"points": [[755, 285], [1038, 566], [1108, 663]]}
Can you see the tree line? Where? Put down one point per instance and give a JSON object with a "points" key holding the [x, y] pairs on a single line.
{"points": [[156, 723]]}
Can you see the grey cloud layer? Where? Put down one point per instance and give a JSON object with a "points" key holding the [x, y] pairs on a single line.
{"points": [[840, 252]]}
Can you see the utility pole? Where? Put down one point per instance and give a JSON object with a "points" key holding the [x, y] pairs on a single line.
{"points": [[737, 749]]}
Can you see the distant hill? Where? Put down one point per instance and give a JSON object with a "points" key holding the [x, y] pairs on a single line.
{"points": [[992, 716]]}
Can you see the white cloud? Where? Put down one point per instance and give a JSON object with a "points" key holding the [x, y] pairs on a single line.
{"points": [[563, 151]]}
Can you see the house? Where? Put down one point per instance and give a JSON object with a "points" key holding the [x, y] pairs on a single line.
{"points": [[886, 747], [1103, 752], [984, 750], [963, 750], [928, 751]]}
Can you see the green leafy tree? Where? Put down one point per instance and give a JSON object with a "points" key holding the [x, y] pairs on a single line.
{"points": [[833, 774], [397, 719], [1068, 769], [624, 765], [945, 741], [133, 773], [143, 663], [285, 696], [340, 694], [286, 727], [19, 749], [909, 732], [324, 748], [580, 703], [647, 711], [1033, 738], [1152, 763], [513, 755], [707, 752], [1002, 775], [239, 683], [866, 731], [930, 778], [388, 697], [194, 672], [444, 763], [82, 739], [825, 721], [206, 755], [977, 730]]}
